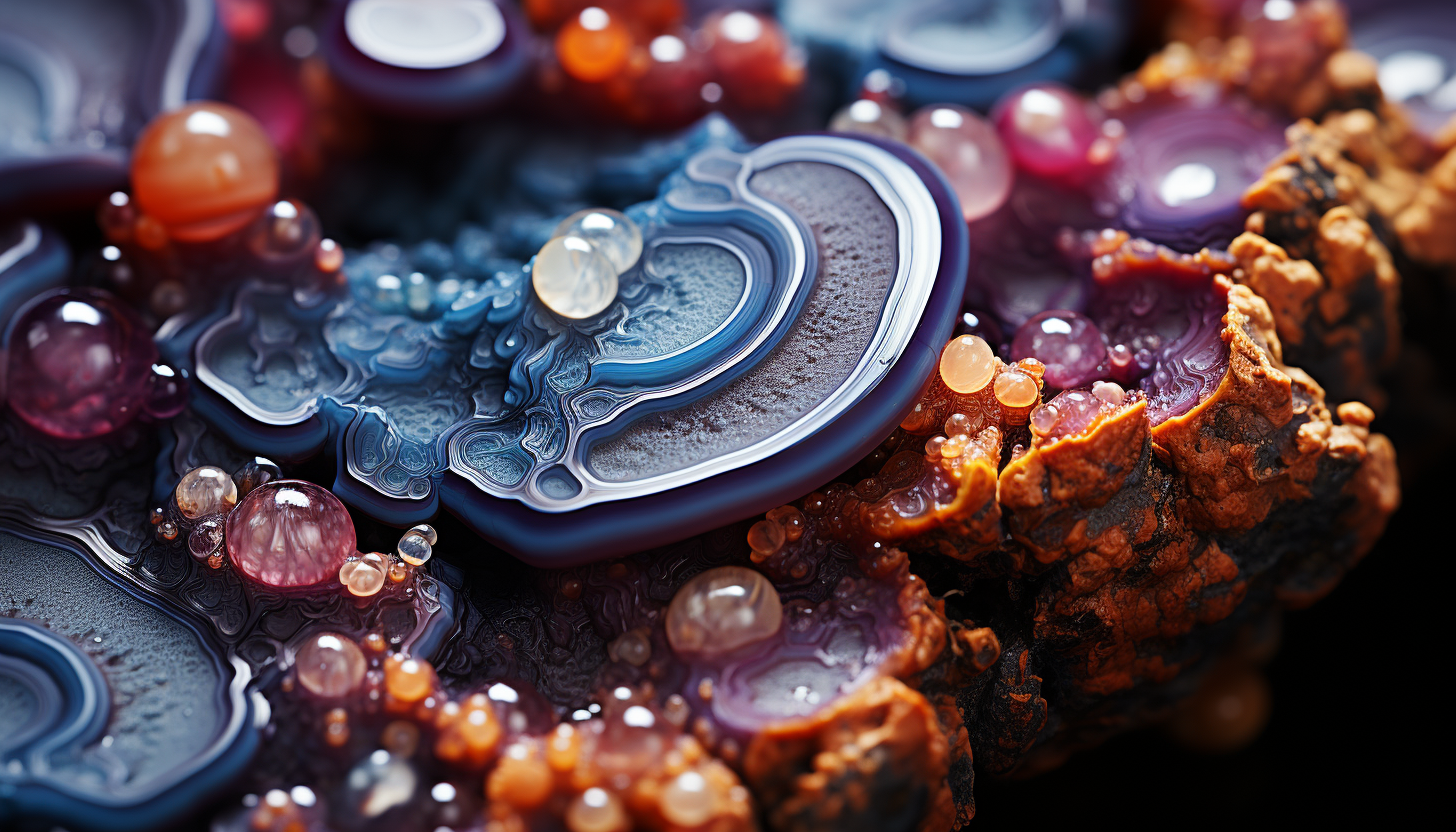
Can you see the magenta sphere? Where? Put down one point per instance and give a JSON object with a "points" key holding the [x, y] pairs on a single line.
{"points": [[80, 364], [289, 533], [1047, 130], [1069, 344]]}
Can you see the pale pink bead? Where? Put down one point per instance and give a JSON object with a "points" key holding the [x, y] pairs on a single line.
{"points": [[967, 150], [289, 533]]}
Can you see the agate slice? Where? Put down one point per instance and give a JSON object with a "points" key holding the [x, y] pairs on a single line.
{"points": [[121, 712], [1415, 43], [780, 291], [427, 57], [966, 51], [79, 78]]}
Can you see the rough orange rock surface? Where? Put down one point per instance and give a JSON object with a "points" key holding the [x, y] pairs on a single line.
{"points": [[876, 752]]}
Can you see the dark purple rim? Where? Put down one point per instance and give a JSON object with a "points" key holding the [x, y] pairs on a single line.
{"points": [[621, 527]]}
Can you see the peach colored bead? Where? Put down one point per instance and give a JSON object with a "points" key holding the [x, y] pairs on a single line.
{"points": [[967, 364], [203, 170], [1016, 389], [408, 680], [597, 810], [329, 256], [520, 779], [563, 747], [723, 609], [766, 537]]}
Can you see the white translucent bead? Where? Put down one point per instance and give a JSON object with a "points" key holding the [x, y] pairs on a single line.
{"points": [[428, 531], [721, 610], [573, 279], [870, 118], [206, 490], [614, 235], [419, 293], [414, 548]]}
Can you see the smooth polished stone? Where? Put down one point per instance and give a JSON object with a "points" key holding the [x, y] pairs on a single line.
{"points": [[289, 533], [288, 232], [967, 364], [573, 279], [870, 118], [1047, 130], [205, 490], [723, 609], [613, 233], [80, 364], [204, 171], [967, 150], [1068, 343], [593, 46], [329, 665], [757, 64]]}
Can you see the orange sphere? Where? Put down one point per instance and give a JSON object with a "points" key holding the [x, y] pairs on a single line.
{"points": [[203, 171], [593, 46], [756, 64]]}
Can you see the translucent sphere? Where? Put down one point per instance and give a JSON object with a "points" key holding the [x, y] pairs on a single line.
{"points": [[573, 279], [205, 490], [203, 170], [613, 233], [80, 364], [757, 65], [593, 46], [686, 801], [206, 537], [597, 810], [967, 150], [1016, 389], [329, 664], [286, 233], [408, 680], [870, 118], [1068, 343], [1047, 130], [414, 548], [967, 364], [723, 609], [364, 576], [289, 533]]}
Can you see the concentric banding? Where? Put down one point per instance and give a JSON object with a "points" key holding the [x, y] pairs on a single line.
{"points": [[148, 57], [172, 707], [616, 450], [426, 57], [974, 51], [973, 37], [1415, 43], [779, 292], [425, 34], [1182, 171]]}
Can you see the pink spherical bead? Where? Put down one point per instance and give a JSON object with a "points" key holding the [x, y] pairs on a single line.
{"points": [[1047, 130], [80, 364], [289, 533], [967, 150]]}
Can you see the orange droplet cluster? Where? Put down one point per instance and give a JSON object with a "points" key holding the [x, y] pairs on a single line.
{"points": [[630, 768], [469, 731], [634, 61], [407, 682]]}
